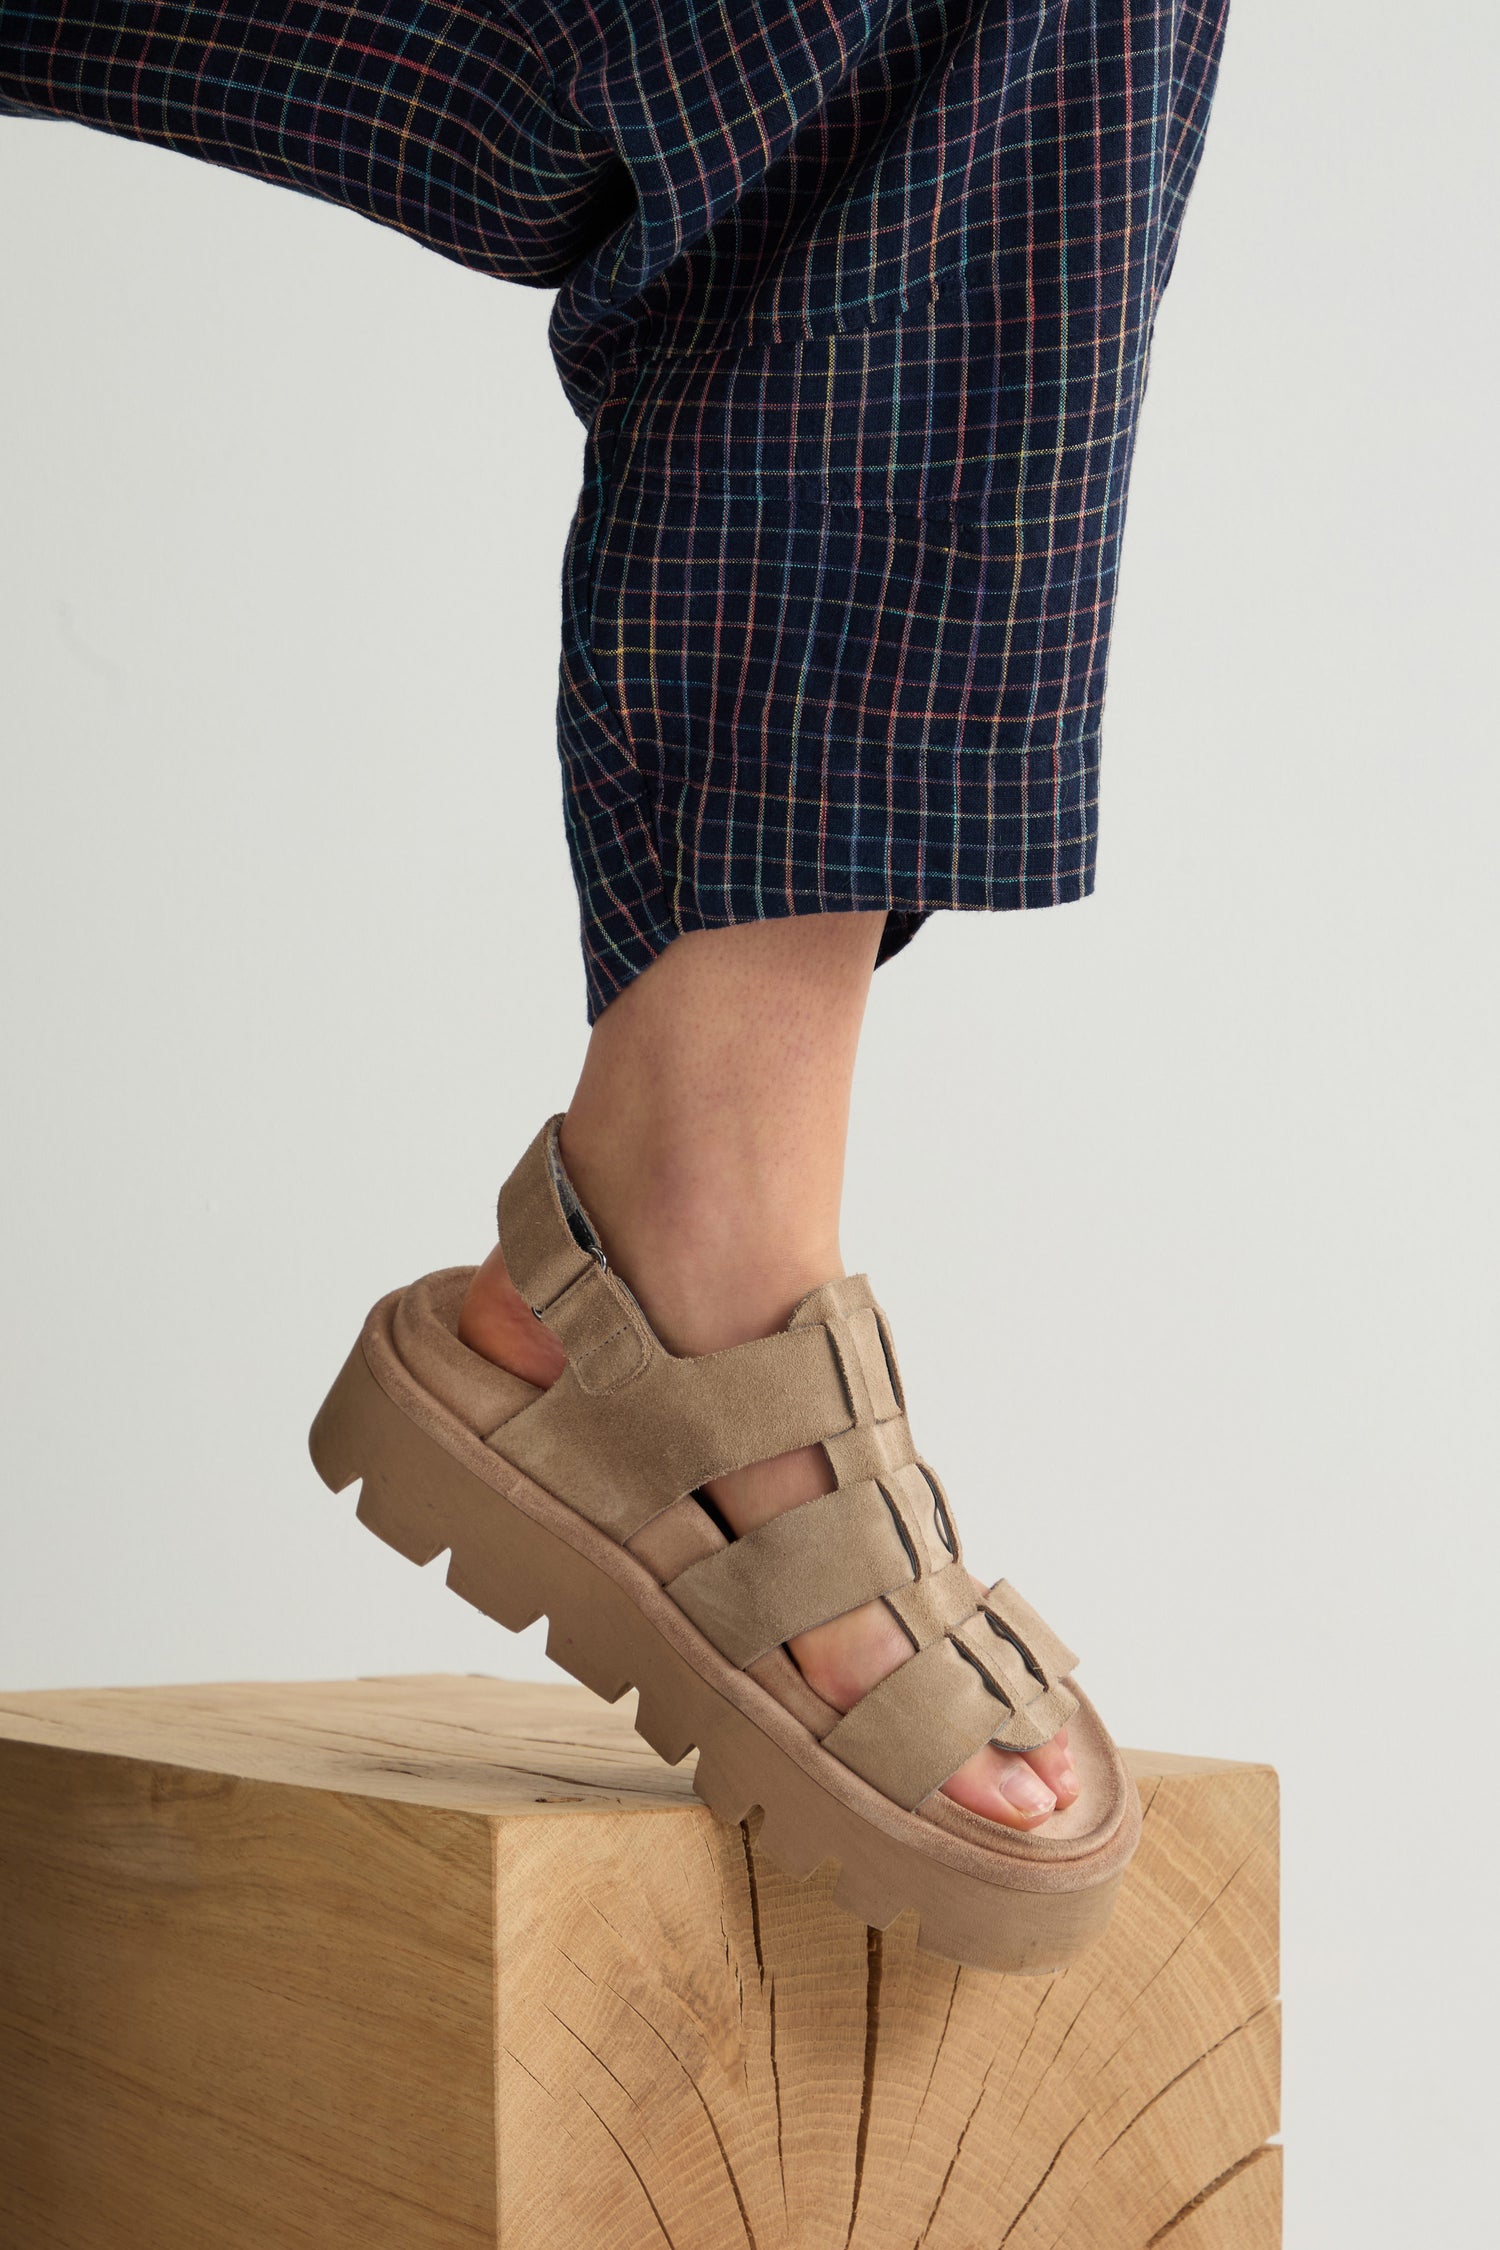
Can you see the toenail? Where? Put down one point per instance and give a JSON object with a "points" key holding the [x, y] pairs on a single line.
{"points": [[1027, 1792]]}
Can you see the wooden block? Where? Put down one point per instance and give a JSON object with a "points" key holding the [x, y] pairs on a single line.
{"points": [[427, 1963]]}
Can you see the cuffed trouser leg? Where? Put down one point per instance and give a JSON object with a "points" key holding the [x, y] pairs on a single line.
{"points": [[800, 681], [856, 302], [843, 576]]}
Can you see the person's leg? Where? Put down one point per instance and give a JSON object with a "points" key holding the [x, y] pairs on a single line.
{"points": [[706, 1139]]}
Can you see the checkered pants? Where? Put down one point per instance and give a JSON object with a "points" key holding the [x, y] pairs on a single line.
{"points": [[855, 302]]}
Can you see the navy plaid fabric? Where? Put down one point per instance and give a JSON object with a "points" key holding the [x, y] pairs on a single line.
{"points": [[856, 303]]}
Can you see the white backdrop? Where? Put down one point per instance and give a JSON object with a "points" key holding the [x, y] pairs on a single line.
{"points": [[290, 976]]}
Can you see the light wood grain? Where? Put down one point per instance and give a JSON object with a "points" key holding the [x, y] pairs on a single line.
{"points": [[452, 1961]]}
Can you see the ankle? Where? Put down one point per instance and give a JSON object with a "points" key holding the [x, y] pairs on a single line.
{"points": [[716, 1244], [706, 1136]]}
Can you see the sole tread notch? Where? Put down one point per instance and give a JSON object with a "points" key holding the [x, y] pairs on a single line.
{"points": [[400, 1525]]}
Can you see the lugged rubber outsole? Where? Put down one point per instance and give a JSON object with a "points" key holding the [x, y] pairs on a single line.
{"points": [[422, 1500]]}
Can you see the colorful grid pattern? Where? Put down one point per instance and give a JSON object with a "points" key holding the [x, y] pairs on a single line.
{"points": [[856, 303]]}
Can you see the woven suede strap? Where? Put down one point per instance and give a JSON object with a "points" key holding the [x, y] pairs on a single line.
{"points": [[802, 1568]]}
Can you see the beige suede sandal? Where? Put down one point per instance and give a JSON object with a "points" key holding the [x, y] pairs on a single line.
{"points": [[578, 1501]]}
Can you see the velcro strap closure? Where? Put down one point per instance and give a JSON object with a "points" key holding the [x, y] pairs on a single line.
{"points": [[601, 1330], [795, 1571], [542, 1254], [593, 1317]]}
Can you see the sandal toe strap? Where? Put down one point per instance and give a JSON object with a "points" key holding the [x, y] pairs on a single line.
{"points": [[995, 1678]]}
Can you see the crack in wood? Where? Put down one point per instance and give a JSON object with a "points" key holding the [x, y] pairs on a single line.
{"points": [[634, 2168], [937, 2056], [729, 2171], [760, 1958], [776, 2088], [1057, 2156], [563, 2024], [1055, 1985], [768, 1986], [874, 1965], [604, 1985], [1025, 2049], [984, 2086], [540, 2084], [1185, 2072], [703, 1843], [1196, 2202], [1201, 1916], [1090, 2116]]}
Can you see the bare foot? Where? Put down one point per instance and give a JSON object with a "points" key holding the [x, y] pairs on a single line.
{"points": [[845, 1657]]}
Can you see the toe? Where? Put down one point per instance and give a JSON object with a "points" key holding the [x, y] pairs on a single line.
{"points": [[1000, 1786], [1054, 1763]]}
